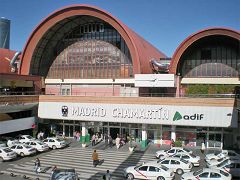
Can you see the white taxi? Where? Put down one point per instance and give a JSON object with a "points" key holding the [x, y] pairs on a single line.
{"points": [[164, 153], [189, 157], [224, 153], [232, 166], [23, 149], [149, 171], [178, 165], [7, 154], [38, 145], [25, 138], [54, 142], [207, 174], [215, 162]]}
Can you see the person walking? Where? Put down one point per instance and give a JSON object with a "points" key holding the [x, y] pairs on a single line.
{"points": [[93, 140], [37, 165], [110, 141], [108, 175], [95, 158]]}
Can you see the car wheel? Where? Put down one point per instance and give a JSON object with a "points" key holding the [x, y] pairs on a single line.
{"points": [[179, 171], [160, 178], [54, 147], [22, 154], [130, 176], [1, 159]]}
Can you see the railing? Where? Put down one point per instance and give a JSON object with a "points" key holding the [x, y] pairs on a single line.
{"points": [[18, 100], [111, 94], [8, 93]]}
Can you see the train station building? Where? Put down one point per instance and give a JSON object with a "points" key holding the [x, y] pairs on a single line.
{"points": [[100, 76]]}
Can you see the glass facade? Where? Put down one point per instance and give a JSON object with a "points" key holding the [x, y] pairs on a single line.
{"points": [[91, 50], [213, 56]]}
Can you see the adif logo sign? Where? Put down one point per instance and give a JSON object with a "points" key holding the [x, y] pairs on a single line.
{"points": [[178, 116]]}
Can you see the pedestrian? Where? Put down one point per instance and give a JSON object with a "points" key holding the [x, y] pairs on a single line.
{"points": [[118, 142], [108, 175], [172, 143], [110, 141], [53, 169], [93, 140], [37, 165], [95, 158], [203, 147], [106, 138]]}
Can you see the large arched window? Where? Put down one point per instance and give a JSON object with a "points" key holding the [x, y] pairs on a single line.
{"points": [[212, 56], [82, 47]]}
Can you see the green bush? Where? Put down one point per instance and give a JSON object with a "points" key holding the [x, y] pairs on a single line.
{"points": [[178, 143], [210, 89]]}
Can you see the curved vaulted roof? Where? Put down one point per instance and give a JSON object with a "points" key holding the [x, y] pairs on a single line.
{"points": [[141, 51], [194, 38]]}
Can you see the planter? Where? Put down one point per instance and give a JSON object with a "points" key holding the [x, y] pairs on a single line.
{"points": [[84, 145], [131, 149]]}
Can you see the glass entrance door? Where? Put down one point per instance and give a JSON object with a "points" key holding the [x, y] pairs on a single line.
{"points": [[69, 131], [214, 140]]}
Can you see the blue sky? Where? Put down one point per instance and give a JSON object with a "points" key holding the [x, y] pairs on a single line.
{"points": [[164, 23]]}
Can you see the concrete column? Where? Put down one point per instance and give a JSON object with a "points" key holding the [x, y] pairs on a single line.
{"points": [[144, 136], [173, 133], [85, 136], [178, 80]]}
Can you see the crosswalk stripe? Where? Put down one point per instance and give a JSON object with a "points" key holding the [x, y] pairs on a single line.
{"points": [[81, 160]]}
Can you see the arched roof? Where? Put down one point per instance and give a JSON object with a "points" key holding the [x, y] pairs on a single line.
{"points": [[194, 38], [141, 51]]}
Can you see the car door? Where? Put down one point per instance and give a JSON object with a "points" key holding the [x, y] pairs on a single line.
{"points": [[174, 164], [154, 172], [142, 172], [19, 149], [215, 176], [166, 163], [51, 142], [33, 144]]}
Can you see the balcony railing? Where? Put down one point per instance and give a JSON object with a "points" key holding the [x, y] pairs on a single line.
{"points": [[109, 94]]}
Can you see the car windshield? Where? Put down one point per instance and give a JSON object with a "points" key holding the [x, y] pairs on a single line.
{"points": [[58, 140], [186, 150], [217, 153], [29, 137], [219, 160], [64, 174], [7, 150], [196, 173], [164, 168], [225, 162], [192, 155], [184, 161], [137, 167], [40, 142], [27, 146]]}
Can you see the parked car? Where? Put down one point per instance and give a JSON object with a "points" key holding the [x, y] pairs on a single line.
{"points": [[54, 142], [38, 145], [149, 171], [2, 144], [7, 154], [11, 141], [215, 162], [23, 149], [224, 153], [25, 138], [176, 164], [231, 166], [189, 157], [207, 174], [58, 174], [163, 153]]}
